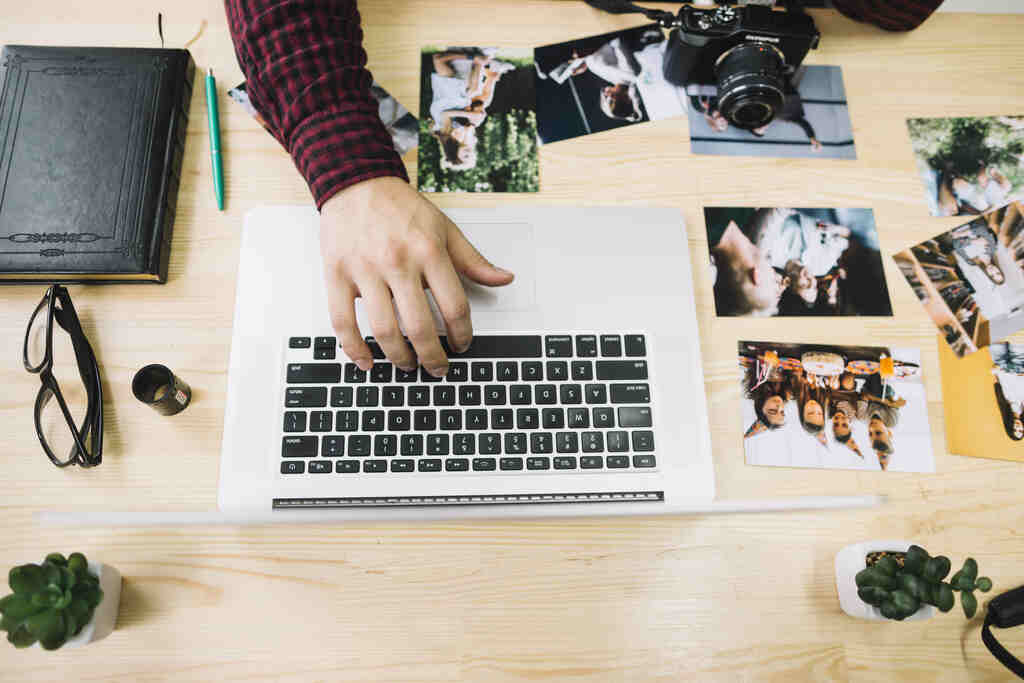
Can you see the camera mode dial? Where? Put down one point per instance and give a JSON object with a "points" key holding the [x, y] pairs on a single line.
{"points": [[725, 15]]}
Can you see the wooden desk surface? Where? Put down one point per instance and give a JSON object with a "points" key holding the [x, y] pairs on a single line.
{"points": [[727, 598]]}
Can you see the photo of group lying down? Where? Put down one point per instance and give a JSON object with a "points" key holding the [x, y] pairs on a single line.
{"points": [[969, 165], [834, 407], [796, 262], [971, 279], [478, 121]]}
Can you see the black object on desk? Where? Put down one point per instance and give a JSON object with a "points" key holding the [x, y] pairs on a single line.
{"points": [[162, 390], [91, 145]]}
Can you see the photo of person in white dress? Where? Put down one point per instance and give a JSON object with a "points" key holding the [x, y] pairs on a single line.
{"points": [[1008, 376]]}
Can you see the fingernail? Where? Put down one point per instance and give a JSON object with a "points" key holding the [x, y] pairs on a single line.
{"points": [[505, 270], [438, 371], [364, 364], [406, 368]]}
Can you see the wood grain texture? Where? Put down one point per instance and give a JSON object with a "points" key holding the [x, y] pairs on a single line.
{"points": [[666, 599]]}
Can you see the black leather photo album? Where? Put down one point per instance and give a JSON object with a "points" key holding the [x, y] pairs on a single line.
{"points": [[91, 145]]}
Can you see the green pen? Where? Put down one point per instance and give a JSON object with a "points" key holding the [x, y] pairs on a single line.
{"points": [[214, 125]]}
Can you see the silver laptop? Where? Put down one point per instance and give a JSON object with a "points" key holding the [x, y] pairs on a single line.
{"points": [[581, 394]]}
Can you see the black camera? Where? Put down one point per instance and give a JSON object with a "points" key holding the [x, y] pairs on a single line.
{"points": [[749, 52]]}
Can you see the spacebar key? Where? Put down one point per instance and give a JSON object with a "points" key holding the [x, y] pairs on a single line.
{"points": [[499, 346], [314, 373]]}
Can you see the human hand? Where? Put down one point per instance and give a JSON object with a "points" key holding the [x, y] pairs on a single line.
{"points": [[815, 144], [383, 241]]}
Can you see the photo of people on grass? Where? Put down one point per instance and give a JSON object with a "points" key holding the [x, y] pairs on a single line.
{"points": [[969, 165], [603, 82], [796, 262], [478, 121], [971, 279], [814, 121], [834, 407]]}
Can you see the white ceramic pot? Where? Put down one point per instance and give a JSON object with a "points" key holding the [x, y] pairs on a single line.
{"points": [[104, 617], [851, 560]]}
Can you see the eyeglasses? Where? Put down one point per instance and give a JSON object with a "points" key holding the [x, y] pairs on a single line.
{"points": [[55, 423]]}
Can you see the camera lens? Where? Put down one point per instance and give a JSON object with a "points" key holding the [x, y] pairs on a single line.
{"points": [[750, 84]]}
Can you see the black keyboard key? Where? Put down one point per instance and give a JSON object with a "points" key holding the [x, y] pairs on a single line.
{"points": [[604, 418], [494, 395], [419, 396], [643, 461], [341, 397], [464, 444], [586, 345], [533, 371], [373, 420], [367, 397], [520, 395], [511, 463], [570, 394], [444, 395], [501, 418], [333, 446], [611, 345], [359, 446], [399, 420], [457, 372], [298, 343], [553, 418], [325, 343], [515, 443], [490, 444], [321, 467], [305, 397], [424, 420], [295, 421], [456, 465], [314, 373], [321, 421], [484, 464], [545, 394], [596, 393], [591, 462], [381, 373], [403, 465], [617, 461], [636, 345], [299, 447], [508, 372], [482, 372], [527, 418], [427, 377], [618, 442], [631, 393], [469, 395], [411, 444], [582, 370], [375, 466], [437, 444], [476, 419], [541, 442], [557, 370], [639, 416], [451, 420], [405, 376], [429, 465], [353, 375], [327, 353], [346, 466], [621, 370], [385, 445], [393, 396], [498, 346], [593, 442], [293, 467], [579, 418], [565, 462], [558, 347], [537, 463], [346, 421], [567, 442], [643, 442]]}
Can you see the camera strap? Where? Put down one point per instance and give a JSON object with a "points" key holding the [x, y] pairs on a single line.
{"points": [[661, 16], [1005, 611]]}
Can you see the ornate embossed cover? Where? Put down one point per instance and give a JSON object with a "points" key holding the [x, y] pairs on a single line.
{"points": [[91, 142]]}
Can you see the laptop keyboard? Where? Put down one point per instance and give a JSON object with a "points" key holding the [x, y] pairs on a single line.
{"points": [[522, 405]]}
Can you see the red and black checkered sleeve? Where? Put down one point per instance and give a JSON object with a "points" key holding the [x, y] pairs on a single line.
{"points": [[892, 15], [306, 74]]}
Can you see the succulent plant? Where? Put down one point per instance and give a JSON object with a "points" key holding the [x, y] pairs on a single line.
{"points": [[900, 590], [51, 602]]}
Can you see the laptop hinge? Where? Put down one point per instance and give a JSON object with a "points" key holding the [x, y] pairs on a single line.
{"points": [[490, 499]]}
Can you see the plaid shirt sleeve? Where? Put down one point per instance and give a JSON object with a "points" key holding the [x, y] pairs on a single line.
{"points": [[305, 70], [892, 15]]}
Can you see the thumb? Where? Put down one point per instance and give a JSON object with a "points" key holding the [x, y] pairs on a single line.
{"points": [[469, 262]]}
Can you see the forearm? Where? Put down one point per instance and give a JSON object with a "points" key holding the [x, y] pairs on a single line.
{"points": [[305, 70]]}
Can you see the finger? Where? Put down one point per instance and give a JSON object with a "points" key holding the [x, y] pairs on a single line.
{"points": [[341, 295], [468, 261], [419, 326], [451, 299], [381, 311]]}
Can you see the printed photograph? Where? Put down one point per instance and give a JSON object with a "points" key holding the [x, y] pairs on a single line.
{"points": [[814, 121], [971, 279], [796, 262], [969, 165], [478, 121], [834, 407], [603, 82], [402, 125]]}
